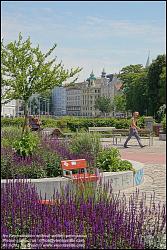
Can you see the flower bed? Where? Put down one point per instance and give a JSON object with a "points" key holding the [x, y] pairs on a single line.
{"points": [[36, 157], [107, 221]]}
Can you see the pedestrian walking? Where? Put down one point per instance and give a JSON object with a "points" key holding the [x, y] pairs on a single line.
{"points": [[134, 130]]}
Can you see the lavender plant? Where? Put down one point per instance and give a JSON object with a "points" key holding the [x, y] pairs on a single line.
{"points": [[107, 223], [16, 166], [63, 150]]}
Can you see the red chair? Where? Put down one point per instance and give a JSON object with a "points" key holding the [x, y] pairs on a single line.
{"points": [[82, 175], [77, 170]]}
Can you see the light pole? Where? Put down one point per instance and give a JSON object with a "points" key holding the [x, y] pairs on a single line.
{"points": [[48, 107], [45, 106], [30, 106], [39, 105]]}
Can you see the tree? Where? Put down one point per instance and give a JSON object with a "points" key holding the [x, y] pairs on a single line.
{"points": [[26, 71], [134, 78], [162, 86], [103, 103], [119, 103], [156, 84]]}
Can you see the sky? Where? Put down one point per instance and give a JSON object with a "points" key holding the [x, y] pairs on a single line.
{"points": [[89, 34]]}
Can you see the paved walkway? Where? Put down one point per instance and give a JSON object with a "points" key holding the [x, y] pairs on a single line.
{"points": [[154, 159]]}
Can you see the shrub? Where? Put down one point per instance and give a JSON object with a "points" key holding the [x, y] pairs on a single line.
{"points": [[74, 124], [33, 171], [109, 160], [52, 164], [9, 135], [86, 143], [48, 122], [15, 166], [164, 123], [113, 223], [27, 144], [6, 163], [122, 123], [141, 122], [63, 150], [16, 121]]}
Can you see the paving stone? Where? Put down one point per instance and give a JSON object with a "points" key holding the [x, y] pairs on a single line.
{"points": [[154, 159]]}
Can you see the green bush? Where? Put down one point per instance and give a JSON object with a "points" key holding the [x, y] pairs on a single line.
{"points": [[86, 143], [109, 161], [121, 123], [52, 164], [75, 123], [125, 165], [16, 121], [164, 123], [48, 122], [34, 171], [9, 135], [141, 122], [6, 169], [10, 168], [27, 144]]}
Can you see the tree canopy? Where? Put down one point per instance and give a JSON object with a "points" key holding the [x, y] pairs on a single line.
{"points": [[103, 104], [144, 89], [156, 84], [26, 70], [134, 78], [119, 103]]}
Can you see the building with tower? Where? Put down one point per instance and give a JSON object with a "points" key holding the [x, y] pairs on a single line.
{"points": [[81, 97]]}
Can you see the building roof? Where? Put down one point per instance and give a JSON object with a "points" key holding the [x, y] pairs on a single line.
{"points": [[148, 60], [91, 77]]}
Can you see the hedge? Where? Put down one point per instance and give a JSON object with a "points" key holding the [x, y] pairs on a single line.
{"points": [[75, 123]]}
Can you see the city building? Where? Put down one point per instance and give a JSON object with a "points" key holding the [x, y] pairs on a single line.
{"points": [[81, 97], [73, 100], [90, 91], [8, 109], [148, 60], [59, 101]]}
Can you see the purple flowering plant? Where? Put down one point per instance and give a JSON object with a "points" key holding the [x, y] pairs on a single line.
{"points": [[109, 222]]}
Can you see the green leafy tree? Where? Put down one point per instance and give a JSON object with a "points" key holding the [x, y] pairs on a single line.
{"points": [[162, 86], [26, 71], [119, 103], [134, 78], [103, 104], [156, 84]]}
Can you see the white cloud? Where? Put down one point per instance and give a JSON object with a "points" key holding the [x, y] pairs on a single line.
{"points": [[99, 31]]}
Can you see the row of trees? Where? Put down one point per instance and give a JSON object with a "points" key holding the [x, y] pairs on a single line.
{"points": [[143, 89]]}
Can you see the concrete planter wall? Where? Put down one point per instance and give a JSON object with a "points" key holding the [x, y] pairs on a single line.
{"points": [[162, 137], [118, 180]]}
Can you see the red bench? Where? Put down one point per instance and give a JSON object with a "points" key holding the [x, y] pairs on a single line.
{"points": [[80, 167], [82, 175]]}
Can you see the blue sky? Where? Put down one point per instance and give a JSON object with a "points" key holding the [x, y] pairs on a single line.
{"points": [[93, 35]]}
